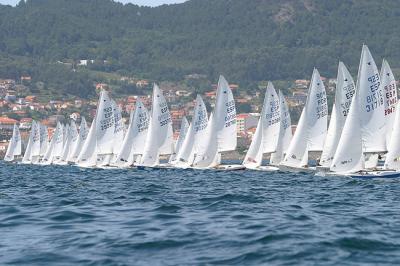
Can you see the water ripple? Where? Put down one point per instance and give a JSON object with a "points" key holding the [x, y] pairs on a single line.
{"points": [[64, 215]]}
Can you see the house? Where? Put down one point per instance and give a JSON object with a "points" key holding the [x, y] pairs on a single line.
{"points": [[26, 78], [182, 93], [142, 83], [102, 86], [25, 123], [211, 94], [246, 121], [75, 116], [7, 123]]}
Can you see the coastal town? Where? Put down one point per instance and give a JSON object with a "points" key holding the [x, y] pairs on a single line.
{"points": [[19, 106]]}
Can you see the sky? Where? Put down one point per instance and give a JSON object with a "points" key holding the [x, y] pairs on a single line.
{"points": [[137, 2]]}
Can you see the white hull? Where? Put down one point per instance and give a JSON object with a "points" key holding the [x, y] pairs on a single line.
{"points": [[292, 169], [266, 168]]}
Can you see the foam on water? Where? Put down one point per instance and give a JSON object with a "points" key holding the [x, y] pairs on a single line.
{"points": [[66, 215]]}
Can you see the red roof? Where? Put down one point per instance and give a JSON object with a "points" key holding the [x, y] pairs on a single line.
{"points": [[7, 121], [26, 120], [242, 116]]}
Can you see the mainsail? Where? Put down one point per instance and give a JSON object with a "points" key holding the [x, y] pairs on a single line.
{"points": [[159, 138], [182, 135], [389, 89], [135, 137], [87, 156], [14, 147], [312, 127], [285, 132], [221, 129], [83, 133], [194, 135], [344, 93], [393, 156], [266, 136], [364, 129]]}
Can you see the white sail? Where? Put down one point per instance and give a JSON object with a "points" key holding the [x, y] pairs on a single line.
{"points": [[14, 147], [372, 104], [271, 119], [195, 133], [266, 137], [221, 132], [207, 147], [393, 156], [67, 144], [254, 155], [349, 157], [105, 125], [87, 156], [312, 127], [135, 136], [285, 132], [389, 89], [74, 139], [344, 93], [118, 129], [44, 140], [83, 133], [159, 139], [364, 129], [182, 135], [55, 140], [35, 153], [59, 142], [225, 117], [27, 155]]}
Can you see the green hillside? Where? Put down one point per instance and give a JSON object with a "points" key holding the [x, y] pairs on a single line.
{"points": [[248, 41]]}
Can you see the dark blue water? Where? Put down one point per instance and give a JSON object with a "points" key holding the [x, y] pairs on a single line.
{"points": [[69, 216]]}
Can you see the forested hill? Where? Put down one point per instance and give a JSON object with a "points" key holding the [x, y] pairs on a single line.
{"points": [[247, 40]]}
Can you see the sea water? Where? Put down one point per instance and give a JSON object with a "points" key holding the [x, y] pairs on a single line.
{"points": [[64, 215]]}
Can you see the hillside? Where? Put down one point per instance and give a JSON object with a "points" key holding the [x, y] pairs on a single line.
{"points": [[248, 41]]}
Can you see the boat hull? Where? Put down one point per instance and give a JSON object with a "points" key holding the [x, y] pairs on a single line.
{"points": [[285, 168]]}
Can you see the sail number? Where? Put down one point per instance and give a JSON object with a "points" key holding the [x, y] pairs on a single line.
{"points": [[322, 108], [201, 122], [273, 116], [143, 122], [375, 99], [230, 118], [108, 120], [391, 98]]}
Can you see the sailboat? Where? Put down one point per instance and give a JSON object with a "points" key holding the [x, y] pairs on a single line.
{"points": [[73, 141], [44, 140], [105, 128], [365, 127], [159, 140], [221, 132], [87, 156], [392, 161], [14, 150], [133, 144], [266, 137], [285, 132], [311, 129], [389, 89], [32, 151], [118, 131], [344, 93], [70, 142], [54, 149], [181, 138], [194, 137], [83, 133]]}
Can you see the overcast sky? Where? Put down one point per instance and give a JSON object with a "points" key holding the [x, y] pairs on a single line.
{"points": [[138, 2]]}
